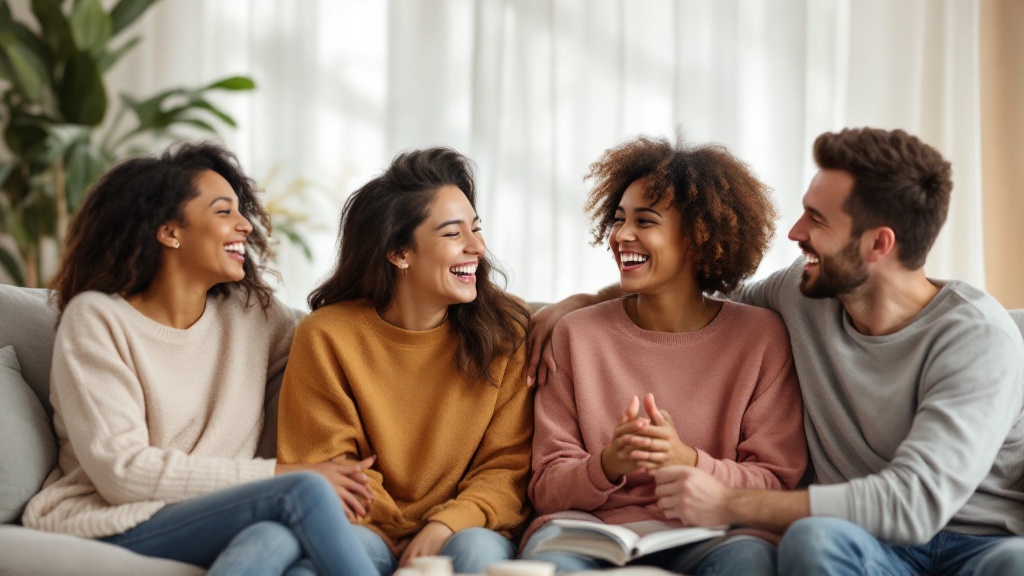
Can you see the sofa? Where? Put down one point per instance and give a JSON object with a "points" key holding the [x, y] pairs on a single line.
{"points": [[29, 451]]}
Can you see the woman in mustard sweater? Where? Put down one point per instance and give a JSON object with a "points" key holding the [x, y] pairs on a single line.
{"points": [[413, 355]]}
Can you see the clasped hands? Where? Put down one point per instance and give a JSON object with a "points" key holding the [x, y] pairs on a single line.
{"points": [[652, 443], [644, 443], [346, 477]]}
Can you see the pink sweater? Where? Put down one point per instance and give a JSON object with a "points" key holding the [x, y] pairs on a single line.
{"points": [[730, 388]]}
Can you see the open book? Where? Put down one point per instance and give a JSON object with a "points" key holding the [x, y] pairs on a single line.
{"points": [[623, 543]]}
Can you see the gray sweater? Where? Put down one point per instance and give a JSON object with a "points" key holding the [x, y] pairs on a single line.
{"points": [[913, 432]]}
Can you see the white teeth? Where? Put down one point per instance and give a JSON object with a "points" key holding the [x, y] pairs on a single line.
{"points": [[463, 270], [630, 258], [238, 247], [810, 258]]}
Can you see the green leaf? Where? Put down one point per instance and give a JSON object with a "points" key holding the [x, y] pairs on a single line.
{"points": [[29, 71], [148, 112], [223, 116], [55, 27], [83, 167], [126, 12], [232, 83], [107, 60], [22, 135], [295, 238], [83, 99], [60, 139], [202, 124], [90, 26], [36, 44], [11, 266]]}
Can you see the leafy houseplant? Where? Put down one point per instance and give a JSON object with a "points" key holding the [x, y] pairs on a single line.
{"points": [[52, 112]]}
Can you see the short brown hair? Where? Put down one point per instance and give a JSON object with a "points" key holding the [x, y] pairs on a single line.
{"points": [[899, 182], [726, 211]]}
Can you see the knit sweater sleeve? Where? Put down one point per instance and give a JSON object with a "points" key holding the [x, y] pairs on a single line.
{"points": [[103, 408], [565, 474], [492, 494], [969, 400], [772, 453], [317, 416]]}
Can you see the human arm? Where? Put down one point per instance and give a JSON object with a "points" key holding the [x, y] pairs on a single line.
{"points": [[696, 498], [492, 492], [542, 362], [428, 542], [567, 474], [318, 425], [967, 399], [99, 382]]}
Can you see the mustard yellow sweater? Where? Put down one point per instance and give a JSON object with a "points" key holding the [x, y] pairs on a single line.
{"points": [[448, 449]]}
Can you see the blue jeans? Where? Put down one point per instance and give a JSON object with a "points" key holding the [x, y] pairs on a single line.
{"points": [[745, 555], [292, 524], [471, 550], [833, 546]]}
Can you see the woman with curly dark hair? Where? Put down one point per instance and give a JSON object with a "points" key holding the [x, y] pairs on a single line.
{"points": [[414, 355], [166, 338], [716, 378]]}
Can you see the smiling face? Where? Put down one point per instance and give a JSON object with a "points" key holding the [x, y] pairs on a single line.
{"points": [[211, 241], [448, 245], [648, 244], [833, 265]]}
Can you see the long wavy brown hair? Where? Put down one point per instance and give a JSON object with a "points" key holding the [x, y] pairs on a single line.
{"points": [[112, 242], [379, 219]]}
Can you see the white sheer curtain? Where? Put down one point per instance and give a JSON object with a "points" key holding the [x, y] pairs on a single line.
{"points": [[535, 90]]}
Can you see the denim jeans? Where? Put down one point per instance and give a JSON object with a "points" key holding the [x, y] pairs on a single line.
{"points": [[292, 524], [833, 546], [471, 550], [745, 555]]}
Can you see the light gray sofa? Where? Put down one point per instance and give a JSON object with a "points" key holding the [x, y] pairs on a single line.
{"points": [[29, 452]]}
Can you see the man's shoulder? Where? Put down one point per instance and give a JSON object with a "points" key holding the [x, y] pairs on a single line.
{"points": [[968, 308]]}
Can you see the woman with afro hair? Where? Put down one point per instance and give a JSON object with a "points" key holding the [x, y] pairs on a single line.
{"points": [[668, 374]]}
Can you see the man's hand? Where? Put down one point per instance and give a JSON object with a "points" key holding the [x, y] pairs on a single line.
{"points": [[615, 460], [428, 542], [659, 445], [693, 496], [542, 362], [347, 478]]}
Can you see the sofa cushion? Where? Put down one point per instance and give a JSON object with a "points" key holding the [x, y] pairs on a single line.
{"points": [[30, 449], [28, 322], [26, 552]]}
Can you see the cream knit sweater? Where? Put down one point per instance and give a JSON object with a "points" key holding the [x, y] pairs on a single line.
{"points": [[146, 415]]}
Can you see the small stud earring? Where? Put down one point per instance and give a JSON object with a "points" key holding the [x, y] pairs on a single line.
{"points": [[177, 244]]}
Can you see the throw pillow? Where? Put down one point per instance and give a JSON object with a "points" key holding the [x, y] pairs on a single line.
{"points": [[29, 447]]}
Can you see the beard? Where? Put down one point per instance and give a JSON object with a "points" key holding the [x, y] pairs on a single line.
{"points": [[837, 274]]}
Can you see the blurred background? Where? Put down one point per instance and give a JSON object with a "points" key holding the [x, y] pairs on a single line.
{"points": [[316, 97]]}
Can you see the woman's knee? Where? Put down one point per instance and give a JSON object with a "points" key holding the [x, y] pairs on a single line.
{"points": [[307, 487], [473, 548]]}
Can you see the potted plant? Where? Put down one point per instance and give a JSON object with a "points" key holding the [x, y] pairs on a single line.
{"points": [[52, 115]]}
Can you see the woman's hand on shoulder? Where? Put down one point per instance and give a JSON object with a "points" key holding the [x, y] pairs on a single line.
{"points": [[347, 478], [428, 542], [542, 323]]}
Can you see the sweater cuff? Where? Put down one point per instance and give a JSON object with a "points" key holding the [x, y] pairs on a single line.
{"points": [[705, 461], [258, 469], [459, 515], [595, 473], [830, 500]]}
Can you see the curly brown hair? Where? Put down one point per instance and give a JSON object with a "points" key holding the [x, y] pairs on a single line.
{"points": [[725, 210], [112, 242]]}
